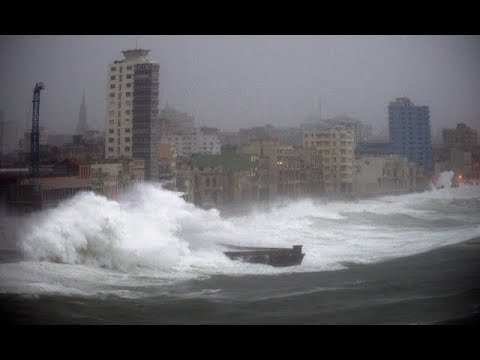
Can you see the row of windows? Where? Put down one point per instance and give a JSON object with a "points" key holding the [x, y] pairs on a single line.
{"points": [[111, 140], [127, 94], [111, 131], [127, 103], [328, 143], [112, 122], [111, 113], [327, 135], [114, 77], [128, 85], [141, 149], [114, 68], [334, 159], [127, 148]]}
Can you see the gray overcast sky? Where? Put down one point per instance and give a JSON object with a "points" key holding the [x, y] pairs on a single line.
{"points": [[241, 81]]}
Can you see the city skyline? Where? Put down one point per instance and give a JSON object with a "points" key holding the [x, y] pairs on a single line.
{"points": [[233, 82]]}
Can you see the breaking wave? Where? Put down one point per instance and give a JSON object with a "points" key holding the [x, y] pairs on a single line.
{"points": [[152, 233]]}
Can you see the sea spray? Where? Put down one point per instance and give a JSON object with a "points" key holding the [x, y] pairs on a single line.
{"points": [[152, 234]]}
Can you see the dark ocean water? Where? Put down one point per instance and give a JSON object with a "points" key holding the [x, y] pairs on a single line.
{"points": [[442, 285], [151, 258]]}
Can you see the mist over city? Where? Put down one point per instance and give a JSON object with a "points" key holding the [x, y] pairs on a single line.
{"points": [[239, 179]]}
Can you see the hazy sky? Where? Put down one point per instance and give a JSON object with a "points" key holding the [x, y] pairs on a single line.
{"points": [[241, 81]]}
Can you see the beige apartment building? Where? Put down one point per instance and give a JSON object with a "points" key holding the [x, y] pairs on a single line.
{"points": [[132, 119], [264, 154], [386, 174], [335, 145]]}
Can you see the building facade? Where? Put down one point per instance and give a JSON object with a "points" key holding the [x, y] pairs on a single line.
{"points": [[132, 123], [146, 126], [196, 141], [173, 121], [8, 135], [336, 148], [462, 137], [167, 157], [387, 174], [409, 128], [215, 180], [264, 153]]}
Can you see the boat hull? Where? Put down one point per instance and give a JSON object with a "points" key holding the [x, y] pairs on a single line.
{"points": [[277, 257]]}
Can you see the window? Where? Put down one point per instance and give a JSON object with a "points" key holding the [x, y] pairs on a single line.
{"points": [[129, 76], [110, 131], [127, 130], [128, 94], [127, 148], [112, 122], [112, 86], [127, 112], [111, 113], [120, 78], [110, 149], [110, 140], [128, 103], [113, 68], [129, 85], [112, 95], [127, 139], [112, 77], [129, 67]]}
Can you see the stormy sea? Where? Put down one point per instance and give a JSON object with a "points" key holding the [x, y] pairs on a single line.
{"points": [[149, 257]]}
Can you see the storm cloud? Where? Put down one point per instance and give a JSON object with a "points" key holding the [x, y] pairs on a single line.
{"points": [[240, 81]]}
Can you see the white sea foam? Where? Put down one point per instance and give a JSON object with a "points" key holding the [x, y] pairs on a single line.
{"points": [[151, 237]]}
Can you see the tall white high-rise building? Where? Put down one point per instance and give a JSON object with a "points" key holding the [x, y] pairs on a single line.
{"points": [[132, 119]]}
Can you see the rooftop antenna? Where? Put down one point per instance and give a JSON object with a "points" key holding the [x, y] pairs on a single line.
{"points": [[320, 107]]}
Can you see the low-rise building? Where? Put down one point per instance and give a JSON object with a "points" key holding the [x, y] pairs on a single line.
{"points": [[167, 157], [28, 195], [195, 141], [387, 174], [291, 171], [462, 137], [264, 154], [215, 180]]}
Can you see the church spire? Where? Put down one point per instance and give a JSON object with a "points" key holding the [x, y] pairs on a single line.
{"points": [[82, 119]]}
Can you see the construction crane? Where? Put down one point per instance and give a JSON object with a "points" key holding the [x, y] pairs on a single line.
{"points": [[35, 135]]}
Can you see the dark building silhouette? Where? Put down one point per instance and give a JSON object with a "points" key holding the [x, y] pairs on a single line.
{"points": [[463, 137], [82, 126]]}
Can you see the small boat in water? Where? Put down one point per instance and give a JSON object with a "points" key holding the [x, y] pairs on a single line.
{"points": [[277, 257]]}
